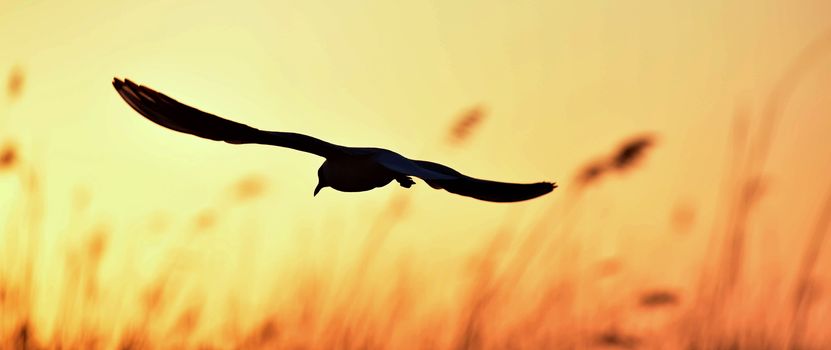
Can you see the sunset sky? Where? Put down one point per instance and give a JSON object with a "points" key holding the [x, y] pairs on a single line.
{"points": [[560, 83]]}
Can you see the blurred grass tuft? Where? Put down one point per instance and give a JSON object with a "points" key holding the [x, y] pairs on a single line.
{"points": [[15, 83]]}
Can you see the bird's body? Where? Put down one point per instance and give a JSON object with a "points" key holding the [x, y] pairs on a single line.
{"points": [[355, 173], [346, 169]]}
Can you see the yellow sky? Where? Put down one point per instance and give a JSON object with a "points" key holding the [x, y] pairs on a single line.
{"points": [[561, 84]]}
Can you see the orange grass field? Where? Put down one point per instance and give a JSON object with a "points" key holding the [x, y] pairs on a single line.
{"points": [[690, 140]]}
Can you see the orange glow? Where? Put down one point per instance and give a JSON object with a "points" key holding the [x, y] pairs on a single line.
{"points": [[689, 140]]}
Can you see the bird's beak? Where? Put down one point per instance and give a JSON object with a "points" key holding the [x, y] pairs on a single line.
{"points": [[318, 188]]}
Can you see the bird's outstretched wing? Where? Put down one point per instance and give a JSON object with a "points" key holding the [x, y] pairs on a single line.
{"points": [[486, 190], [174, 115], [443, 177]]}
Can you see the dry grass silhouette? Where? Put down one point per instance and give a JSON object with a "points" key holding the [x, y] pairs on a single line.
{"points": [[626, 156], [8, 156], [658, 298], [466, 125], [15, 82], [249, 187], [524, 288]]}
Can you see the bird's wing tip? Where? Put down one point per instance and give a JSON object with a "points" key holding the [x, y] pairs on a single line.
{"points": [[551, 185], [124, 84]]}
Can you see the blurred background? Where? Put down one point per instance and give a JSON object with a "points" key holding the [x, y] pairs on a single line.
{"points": [[689, 140]]}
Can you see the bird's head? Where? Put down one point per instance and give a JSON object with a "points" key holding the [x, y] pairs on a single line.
{"points": [[321, 179]]}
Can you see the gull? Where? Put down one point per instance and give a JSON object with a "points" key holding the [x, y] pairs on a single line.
{"points": [[346, 169]]}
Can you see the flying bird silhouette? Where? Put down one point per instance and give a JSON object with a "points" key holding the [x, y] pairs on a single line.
{"points": [[347, 169]]}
